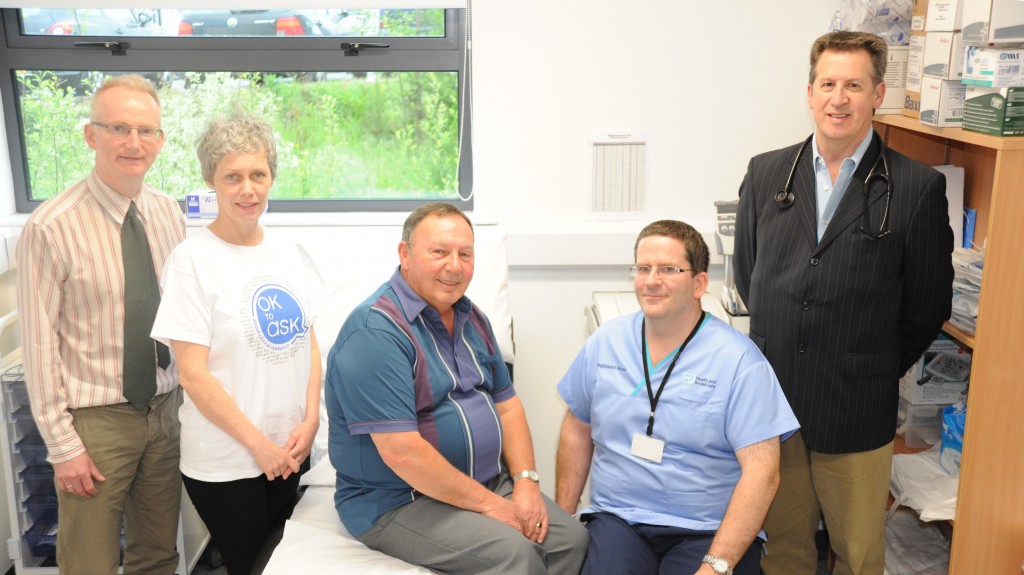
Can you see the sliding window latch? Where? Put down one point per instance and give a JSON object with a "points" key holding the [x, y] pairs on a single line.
{"points": [[116, 48], [353, 48]]}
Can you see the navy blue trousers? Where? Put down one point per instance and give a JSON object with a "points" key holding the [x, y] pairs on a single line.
{"points": [[618, 548]]}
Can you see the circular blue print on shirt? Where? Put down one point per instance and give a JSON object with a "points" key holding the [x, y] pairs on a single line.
{"points": [[278, 315]]}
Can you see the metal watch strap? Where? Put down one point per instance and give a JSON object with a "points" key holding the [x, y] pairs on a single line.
{"points": [[530, 474], [716, 563]]}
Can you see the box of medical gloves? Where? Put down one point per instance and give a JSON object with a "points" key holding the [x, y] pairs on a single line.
{"points": [[993, 67], [995, 111], [940, 375]]}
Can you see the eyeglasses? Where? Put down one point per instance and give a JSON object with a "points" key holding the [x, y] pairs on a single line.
{"points": [[124, 130], [664, 271]]}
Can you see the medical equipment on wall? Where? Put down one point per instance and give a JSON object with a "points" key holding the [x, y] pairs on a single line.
{"points": [[785, 197], [725, 233]]}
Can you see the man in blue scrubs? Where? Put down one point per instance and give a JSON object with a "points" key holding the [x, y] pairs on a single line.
{"points": [[677, 418], [433, 453]]}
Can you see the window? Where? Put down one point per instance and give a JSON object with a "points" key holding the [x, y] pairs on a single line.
{"points": [[366, 104]]}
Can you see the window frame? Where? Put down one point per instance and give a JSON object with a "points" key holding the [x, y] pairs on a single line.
{"points": [[257, 54]]}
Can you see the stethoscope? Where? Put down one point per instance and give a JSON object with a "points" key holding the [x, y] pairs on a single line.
{"points": [[785, 197]]}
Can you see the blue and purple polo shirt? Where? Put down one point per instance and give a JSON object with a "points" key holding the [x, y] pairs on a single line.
{"points": [[393, 368]]}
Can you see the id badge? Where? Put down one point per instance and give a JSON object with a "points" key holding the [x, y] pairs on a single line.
{"points": [[647, 447]]}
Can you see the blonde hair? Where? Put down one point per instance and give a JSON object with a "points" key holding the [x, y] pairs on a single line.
{"points": [[129, 81]]}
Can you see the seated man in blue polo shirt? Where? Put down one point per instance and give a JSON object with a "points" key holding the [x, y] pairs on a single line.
{"points": [[433, 453], [677, 418]]}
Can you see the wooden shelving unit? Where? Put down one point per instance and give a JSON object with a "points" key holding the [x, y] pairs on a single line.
{"points": [[989, 534], [958, 334]]}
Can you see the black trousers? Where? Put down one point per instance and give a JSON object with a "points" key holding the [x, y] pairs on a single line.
{"points": [[240, 514]]}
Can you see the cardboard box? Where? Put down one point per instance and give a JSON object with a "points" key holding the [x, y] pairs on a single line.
{"points": [[912, 104], [994, 111], [991, 21], [974, 21], [915, 60], [943, 55], [942, 103], [940, 374], [944, 15], [895, 80], [1006, 23], [993, 67], [201, 204], [918, 14]]}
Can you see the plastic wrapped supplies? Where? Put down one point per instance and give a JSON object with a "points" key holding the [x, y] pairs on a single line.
{"points": [[890, 19], [954, 418], [967, 267]]}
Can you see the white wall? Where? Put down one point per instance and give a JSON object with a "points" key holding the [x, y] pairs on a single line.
{"points": [[711, 83]]}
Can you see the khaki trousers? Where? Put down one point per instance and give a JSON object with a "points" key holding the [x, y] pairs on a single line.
{"points": [[849, 489], [137, 451]]}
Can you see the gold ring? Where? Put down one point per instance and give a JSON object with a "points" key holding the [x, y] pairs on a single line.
{"points": [[539, 525], [70, 486]]}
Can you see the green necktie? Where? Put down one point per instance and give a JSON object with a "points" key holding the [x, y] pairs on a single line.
{"points": [[141, 298]]}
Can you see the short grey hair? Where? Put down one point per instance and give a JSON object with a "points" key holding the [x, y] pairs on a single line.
{"points": [[239, 134], [439, 209]]}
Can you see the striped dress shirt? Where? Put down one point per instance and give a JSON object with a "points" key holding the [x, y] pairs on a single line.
{"points": [[71, 300]]}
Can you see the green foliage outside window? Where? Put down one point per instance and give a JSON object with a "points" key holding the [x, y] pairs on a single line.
{"points": [[339, 136]]}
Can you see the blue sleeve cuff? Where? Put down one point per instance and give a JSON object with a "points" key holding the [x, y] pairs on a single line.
{"points": [[503, 395], [382, 426]]}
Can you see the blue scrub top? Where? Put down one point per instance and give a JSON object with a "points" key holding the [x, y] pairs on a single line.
{"points": [[722, 396]]}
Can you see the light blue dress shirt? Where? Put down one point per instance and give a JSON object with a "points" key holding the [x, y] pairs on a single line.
{"points": [[827, 193]]}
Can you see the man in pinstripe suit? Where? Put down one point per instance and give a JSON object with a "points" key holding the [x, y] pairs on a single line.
{"points": [[846, 286]]}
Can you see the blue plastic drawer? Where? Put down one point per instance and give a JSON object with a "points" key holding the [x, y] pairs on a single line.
{"points": [[42, 539], [24, 421], [18, 393], [42, 509], [38, 479], [32, 449]]}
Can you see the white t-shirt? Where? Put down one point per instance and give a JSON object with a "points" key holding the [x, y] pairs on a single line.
{"points": [[253, 307]]}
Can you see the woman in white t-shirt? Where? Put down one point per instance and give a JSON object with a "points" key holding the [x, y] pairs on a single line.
{"points": [[237, 307]]}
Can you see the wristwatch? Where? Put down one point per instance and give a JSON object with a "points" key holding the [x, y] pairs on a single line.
{"points": [[718, 565], [527, 474]]}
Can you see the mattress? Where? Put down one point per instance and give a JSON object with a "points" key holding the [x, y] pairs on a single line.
{"points": [[315, 542]]}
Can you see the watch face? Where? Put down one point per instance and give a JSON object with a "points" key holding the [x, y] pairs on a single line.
{"points": [[533, 475], [720, 566]]}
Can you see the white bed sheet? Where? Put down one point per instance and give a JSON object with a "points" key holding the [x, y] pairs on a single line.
{"points": [[315, 542]]}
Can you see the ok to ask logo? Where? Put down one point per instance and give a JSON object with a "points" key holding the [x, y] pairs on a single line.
{"points": [[278, 316]]}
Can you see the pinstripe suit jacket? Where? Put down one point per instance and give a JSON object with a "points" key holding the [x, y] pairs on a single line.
{"points": [[842, 319]]}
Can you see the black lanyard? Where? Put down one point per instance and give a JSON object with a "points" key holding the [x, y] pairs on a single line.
{"points": [[654, 397]]}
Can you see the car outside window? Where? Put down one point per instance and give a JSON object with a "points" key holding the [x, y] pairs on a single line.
{"points": [[377, 129]]}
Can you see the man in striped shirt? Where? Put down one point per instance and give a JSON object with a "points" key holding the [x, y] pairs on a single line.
{"points": [[112, 462]]}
